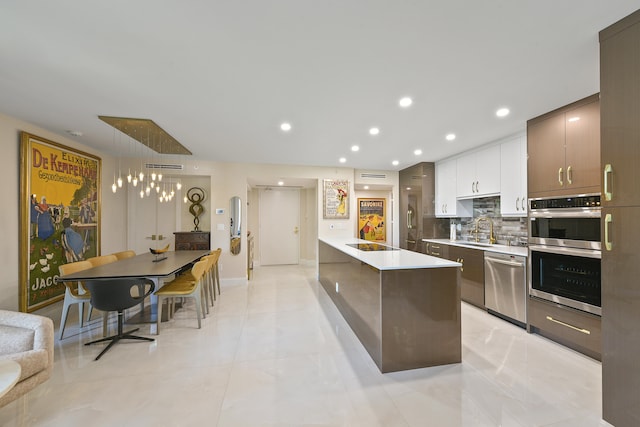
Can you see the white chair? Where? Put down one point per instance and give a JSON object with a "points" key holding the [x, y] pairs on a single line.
{"points": [[74, 293]]}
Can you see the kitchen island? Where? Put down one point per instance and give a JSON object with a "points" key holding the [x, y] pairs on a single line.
{"points": [[403, 306]]}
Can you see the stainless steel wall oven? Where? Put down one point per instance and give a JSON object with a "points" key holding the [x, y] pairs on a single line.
{"points": [[564, 251]]}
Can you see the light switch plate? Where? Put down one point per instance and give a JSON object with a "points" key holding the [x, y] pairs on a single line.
{"points": [[219, 211]]}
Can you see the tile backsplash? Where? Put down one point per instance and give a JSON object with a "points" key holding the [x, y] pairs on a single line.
{"points": [[506, 230]]}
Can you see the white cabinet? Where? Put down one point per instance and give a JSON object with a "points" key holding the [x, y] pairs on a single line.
{"points": [[478, 173], [446, 204], [513, 177]]}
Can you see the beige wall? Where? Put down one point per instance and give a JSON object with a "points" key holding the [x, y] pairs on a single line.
{"points": [[114, 213], [220, 180]]}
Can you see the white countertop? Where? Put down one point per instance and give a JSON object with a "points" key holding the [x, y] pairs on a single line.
{"points": [[503, 249], [388, 260]]}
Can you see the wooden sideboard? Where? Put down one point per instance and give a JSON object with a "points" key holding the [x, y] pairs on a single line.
{"points": [[192, 240]]}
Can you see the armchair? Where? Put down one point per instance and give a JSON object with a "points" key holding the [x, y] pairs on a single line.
{"points": [[28, 340]]}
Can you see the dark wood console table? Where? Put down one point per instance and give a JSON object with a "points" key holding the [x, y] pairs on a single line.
{"points": [[192, 240]]}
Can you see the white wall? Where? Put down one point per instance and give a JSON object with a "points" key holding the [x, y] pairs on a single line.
{"points": [[114, 212], [222, 180]]}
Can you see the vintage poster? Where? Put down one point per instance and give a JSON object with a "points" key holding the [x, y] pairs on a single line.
{"points": [[371, 220], [336, 199], [59, 214]]}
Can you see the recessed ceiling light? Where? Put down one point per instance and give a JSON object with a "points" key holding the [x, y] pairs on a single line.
{"points": [[286, 127], [574, 119], [395, 163], [502, 112], [405, 102], [343, 160], [74, 132], [366, 187], [408, 188], [280, 182], [374, 131], [417, 152], [451, 137], [355, 148]]}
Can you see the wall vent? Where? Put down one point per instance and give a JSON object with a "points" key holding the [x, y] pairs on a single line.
{"points": [[271, 187], [370, 175], [164, 166]]}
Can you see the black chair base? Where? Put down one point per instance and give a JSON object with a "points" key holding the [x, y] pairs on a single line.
{"points": [[119, 336]]}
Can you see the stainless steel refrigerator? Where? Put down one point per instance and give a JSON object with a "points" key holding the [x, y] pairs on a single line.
{"points": [[417, 207]]}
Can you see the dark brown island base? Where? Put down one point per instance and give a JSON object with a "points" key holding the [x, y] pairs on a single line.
{"points": [[403, 306]]}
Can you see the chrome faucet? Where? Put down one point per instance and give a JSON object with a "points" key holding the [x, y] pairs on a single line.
{"points": [[492, 238]]}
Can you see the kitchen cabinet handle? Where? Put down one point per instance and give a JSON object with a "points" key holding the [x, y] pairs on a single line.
{"points": [[472, 187], [584, 331], [569, 175], [477, 186], [413, 242], [524, 206], [560, 177], [435, 253], [461, 261], [608, 219], [608, 171], [517, 203]]}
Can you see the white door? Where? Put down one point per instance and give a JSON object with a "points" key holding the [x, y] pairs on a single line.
{"points": [[279, 223], [149, 217]]}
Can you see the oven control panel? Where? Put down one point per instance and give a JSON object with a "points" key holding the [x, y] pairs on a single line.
{"points": [[591, 201]]}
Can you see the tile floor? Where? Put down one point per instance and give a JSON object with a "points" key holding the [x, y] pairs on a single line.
{"points": [[276, 352]]}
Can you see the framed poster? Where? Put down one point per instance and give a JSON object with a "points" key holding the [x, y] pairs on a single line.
{"points": [[59, 216], [336, 199], [371, 220]]}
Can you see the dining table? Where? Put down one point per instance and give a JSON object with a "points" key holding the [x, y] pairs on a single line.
{"points": [[155, 267]]}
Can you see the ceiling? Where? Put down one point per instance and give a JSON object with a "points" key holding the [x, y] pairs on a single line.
{"points": [[221, 76]]}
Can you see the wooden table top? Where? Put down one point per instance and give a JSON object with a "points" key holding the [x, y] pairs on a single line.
{"points": [[139, 266]]}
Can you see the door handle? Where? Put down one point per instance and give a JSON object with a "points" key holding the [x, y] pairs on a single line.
{"points": [[608, 170], [560, 177], [569, 175], [575, 328], [608, 219]]}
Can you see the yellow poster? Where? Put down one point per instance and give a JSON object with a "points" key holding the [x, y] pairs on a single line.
{"points": [[59, 216], [371, 220]]}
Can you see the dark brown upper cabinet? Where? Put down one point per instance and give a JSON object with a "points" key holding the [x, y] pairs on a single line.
{"points": [[563, 147]]}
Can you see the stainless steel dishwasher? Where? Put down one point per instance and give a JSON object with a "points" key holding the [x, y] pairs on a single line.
{"points": [[505, 285]]}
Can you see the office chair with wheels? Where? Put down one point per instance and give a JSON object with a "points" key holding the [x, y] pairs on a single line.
{"points": [[115, 295]]}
